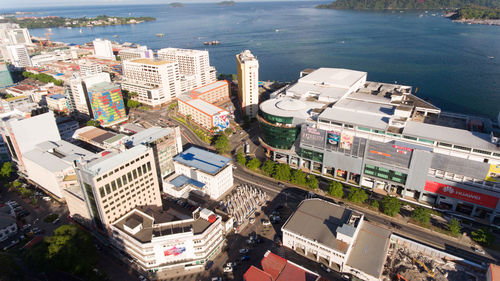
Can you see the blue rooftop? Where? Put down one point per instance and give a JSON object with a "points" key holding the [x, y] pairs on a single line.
{"points": [[203, 160], [59, 74], [57, 96], [182, 180]]}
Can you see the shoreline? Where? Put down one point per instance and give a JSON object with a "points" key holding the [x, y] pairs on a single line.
{"points": [[478, 21]]}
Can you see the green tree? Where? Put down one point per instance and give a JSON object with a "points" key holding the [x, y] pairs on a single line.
{"points": [[228, 131], [390, 205], [70, 249], [375, 204], [357, 195], [241, 158], [172, 106], [253, 164], [336, 189], [454, 227], [312, 182], [282, 172], [483, 236], [268, 167], [221, 143], [6, 170], [9, 271], [133, 104], [422, 215], [94, 123], [298, 177]]}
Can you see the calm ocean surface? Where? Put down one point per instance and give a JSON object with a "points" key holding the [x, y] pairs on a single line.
{"points": [[449, 63]]}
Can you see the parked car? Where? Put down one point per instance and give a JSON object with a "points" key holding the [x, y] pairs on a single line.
{"points": [[252, 220], [142, 278], [231, 264], [243, 250], [266, 223], [23, 213], [478, 250], [56, 221], [228, 269], [250, 242], [245, 258], [216, 278], [325, 268]]}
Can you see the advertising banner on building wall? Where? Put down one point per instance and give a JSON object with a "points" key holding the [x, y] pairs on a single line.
{"points": [[346, 141], [493, 174], [462, 194], [174, 251], [333, 138], [312, 136]]}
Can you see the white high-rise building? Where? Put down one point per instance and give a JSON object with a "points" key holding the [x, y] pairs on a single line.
{"points": [[194, 65], [89, 68], [140, 52], [78, 97], [155, 81], [11, 34], [16, 54], [248, 83], [103, 49]]}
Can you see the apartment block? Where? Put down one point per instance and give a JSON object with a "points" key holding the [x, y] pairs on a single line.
{"points": [[77, 93], [13, 35], [203, 113], [16, 54], [140, 52], [248, 83], [156, 82], [103, 49]]}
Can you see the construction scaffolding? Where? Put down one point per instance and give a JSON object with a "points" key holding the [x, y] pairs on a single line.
{"points": [[417, 262]]}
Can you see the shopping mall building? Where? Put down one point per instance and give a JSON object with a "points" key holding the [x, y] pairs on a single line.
{"points": [[336, 124]]}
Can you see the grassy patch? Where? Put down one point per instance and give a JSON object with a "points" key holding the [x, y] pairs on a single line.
{"points": [[51, 218]]}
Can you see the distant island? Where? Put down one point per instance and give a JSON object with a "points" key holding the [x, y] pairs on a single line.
{"points": [[476, 15], [407, 4], [226, 3], [53, 21], [176, 5]]}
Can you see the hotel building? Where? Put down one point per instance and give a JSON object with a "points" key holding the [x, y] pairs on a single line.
{"points": [[16, 54], [336, 124], [248, 83], [156, 82], [103, 49], [140, 52], [194, 66]]}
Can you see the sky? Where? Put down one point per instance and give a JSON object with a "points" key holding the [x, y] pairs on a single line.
{"points": [[9, 5]]}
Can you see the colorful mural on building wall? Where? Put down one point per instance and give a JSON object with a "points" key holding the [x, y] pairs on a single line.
{"points": [[107, 104], [221, 121]]}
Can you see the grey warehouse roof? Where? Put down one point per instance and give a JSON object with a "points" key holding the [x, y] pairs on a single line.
{"points": [[369, 251], [203, 160], [148, 135], [319, 220]]}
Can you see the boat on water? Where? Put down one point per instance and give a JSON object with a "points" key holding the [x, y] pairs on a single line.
{"points": [[69, 27], [491, 57], [81, 31], [214, 42], [160, 34], [116, 36]]}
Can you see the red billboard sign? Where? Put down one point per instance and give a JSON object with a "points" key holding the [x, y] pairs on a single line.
{"points": [[462, 194]]}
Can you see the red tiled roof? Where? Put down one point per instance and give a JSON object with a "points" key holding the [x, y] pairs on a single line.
{"points": [[273, 264], [255, 274]]}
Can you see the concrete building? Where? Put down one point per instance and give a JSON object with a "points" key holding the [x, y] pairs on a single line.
{"points": [[5, 77], [50, 165], [276, 268], [89, 68], [335, 124], [77, 94], [493, 272], [9, 104], [156, 82], [140, 52], [194, 65], [216, 92], [214, 171], [165, 142], [13, 35], [169, 238], [248, 83], [22, 132], [115, 182], [107, 104], [337, 237], [99, 138], [17, 55], [57, 103], [67, 128], [203, 113], [103, 49]]}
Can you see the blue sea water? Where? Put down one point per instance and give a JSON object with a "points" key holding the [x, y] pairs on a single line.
{"points": [[449, 63]]}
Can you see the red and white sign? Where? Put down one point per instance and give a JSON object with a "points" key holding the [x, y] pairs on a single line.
{"points": [[402, 147], [462, 194]]}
